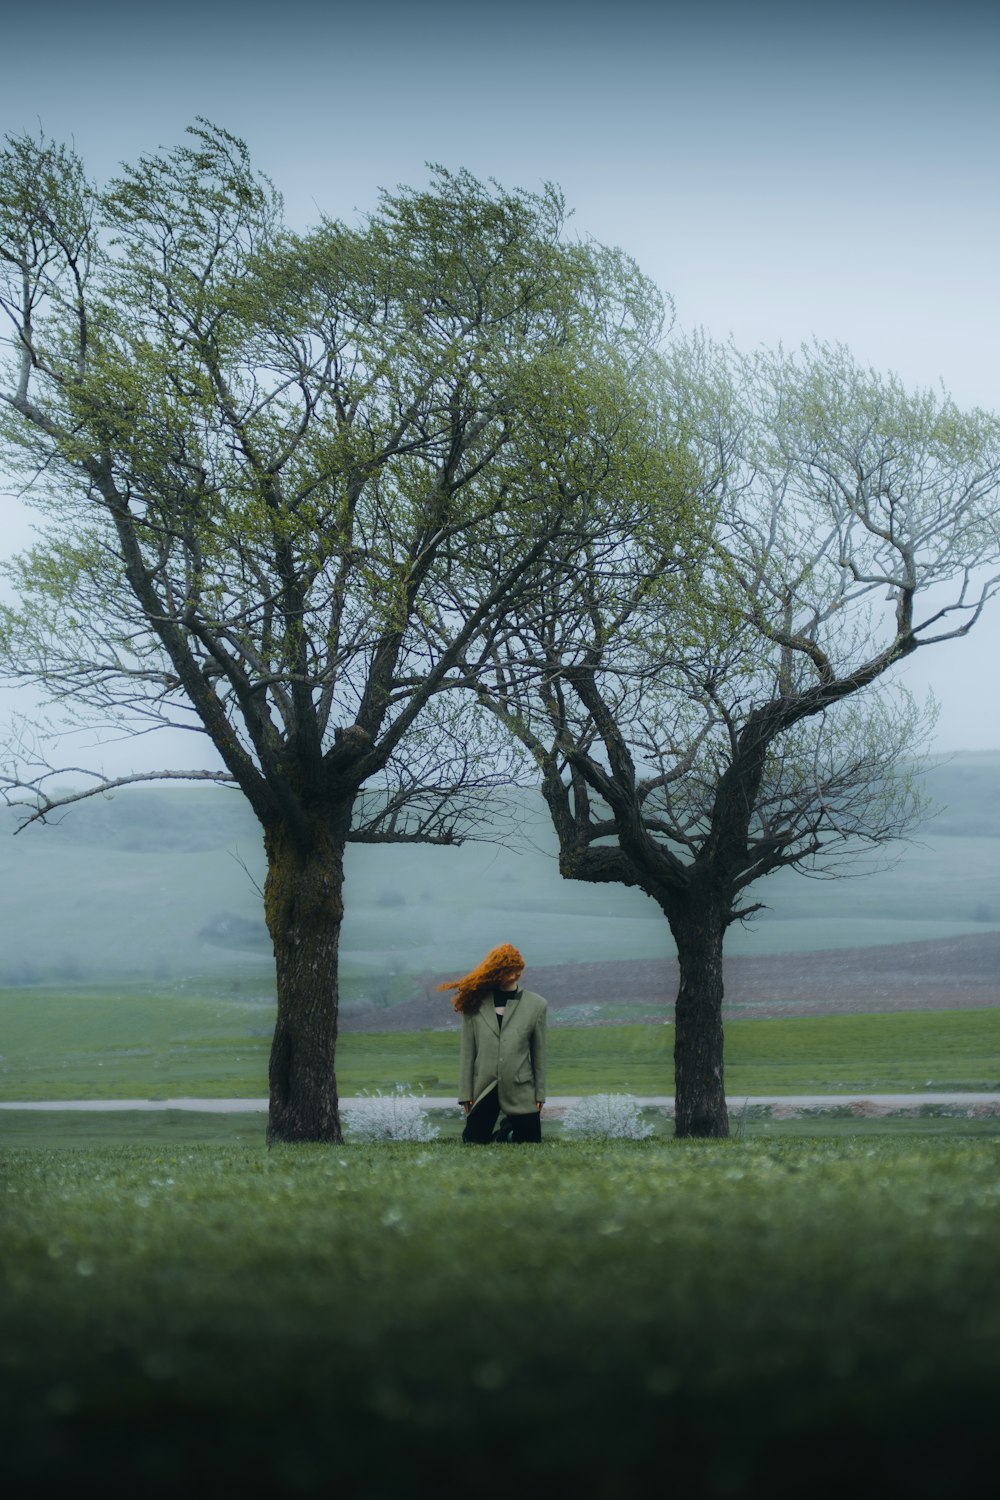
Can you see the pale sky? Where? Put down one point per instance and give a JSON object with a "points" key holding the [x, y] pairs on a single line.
{"points": [[783, 171]]}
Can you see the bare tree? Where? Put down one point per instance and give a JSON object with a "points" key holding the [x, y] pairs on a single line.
{"points": [[259, 453], [698, 728]]}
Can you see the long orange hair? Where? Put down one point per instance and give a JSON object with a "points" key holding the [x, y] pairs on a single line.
{"points": [[499, 964]]}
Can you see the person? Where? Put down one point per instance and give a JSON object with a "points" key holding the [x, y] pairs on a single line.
{"points": [[502, 1055]]}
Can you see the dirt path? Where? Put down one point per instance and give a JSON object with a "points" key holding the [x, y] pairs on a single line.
{"points": [[782, 1105]]}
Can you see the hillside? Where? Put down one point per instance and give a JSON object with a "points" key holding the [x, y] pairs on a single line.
{"points": [[941, 974], [159, 885]]}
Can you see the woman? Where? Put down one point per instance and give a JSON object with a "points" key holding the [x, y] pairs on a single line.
{"points": [[502, 1058]]}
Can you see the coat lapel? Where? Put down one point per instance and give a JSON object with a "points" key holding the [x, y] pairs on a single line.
{"points": [[489, 1015], [510, 1007]]}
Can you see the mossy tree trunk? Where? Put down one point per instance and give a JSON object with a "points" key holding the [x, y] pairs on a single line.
{"points": [[698, 924], [304, 908]]}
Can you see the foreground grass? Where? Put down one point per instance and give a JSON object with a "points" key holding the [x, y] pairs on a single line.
{"points": [[735, 1318], [112, 1045], [74, 1130]]}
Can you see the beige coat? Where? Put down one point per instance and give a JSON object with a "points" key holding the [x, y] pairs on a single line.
{"points": [[511, 1056]]}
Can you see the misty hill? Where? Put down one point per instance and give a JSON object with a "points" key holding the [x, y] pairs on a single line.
{"points": [[157, 885], [941, 974]]}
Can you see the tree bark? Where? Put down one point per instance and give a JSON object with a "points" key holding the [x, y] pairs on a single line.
{"points": [[304, 908], [699, 1076]]}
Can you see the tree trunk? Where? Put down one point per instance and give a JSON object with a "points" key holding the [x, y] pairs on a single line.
{"points": [[304, 908], [699, 1078]]}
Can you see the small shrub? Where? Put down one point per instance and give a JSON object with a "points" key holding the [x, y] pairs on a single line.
{"points": [[389, 896], [398, 1116], [606, 1117]]}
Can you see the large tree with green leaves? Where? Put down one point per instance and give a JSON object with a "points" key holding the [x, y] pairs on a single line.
{"points": [[262, 455], [696, 730]]}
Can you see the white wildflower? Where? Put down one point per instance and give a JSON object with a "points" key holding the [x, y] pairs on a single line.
{"points": [[398, 1116], [606, 1117]]}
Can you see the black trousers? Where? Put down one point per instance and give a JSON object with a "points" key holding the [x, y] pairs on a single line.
{"points": [[481, 1125]]}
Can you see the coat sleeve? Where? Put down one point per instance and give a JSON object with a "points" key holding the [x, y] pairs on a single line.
{"points": [[538, 1053], [467, 1060]]}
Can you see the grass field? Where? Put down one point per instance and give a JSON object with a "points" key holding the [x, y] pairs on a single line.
{"points": [[744, 1318], [811, 1307], [170, 1129], [137, 1044]]}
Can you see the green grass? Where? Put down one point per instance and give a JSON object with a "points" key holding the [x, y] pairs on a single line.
{"points": [[121, 1044], [899, 1053], [168, 1128], [126, 1042], [739, 1318], [938, 1051], [76, 1130]]}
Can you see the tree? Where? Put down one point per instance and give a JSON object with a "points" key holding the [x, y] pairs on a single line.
{"points": [[696, 731], [261, 452]]}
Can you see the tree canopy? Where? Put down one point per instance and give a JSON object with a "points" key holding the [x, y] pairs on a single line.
{"points": [[701, 726], [265, 455]]}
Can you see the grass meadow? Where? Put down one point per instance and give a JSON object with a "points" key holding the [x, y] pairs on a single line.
{"points": [[811, 1307], [743, 1318], [129, 1043]]}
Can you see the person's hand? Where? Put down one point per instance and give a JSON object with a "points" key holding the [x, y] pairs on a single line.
{"points": [[539, 1103], [466, 1104]]}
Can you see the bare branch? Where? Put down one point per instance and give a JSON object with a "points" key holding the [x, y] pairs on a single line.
{"points": [[30, 793]]}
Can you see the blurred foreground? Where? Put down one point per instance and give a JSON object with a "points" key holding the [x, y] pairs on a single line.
{"points": [[749, 1318]]}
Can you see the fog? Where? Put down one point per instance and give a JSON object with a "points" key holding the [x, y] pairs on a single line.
{"points": [[159, 887]]}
